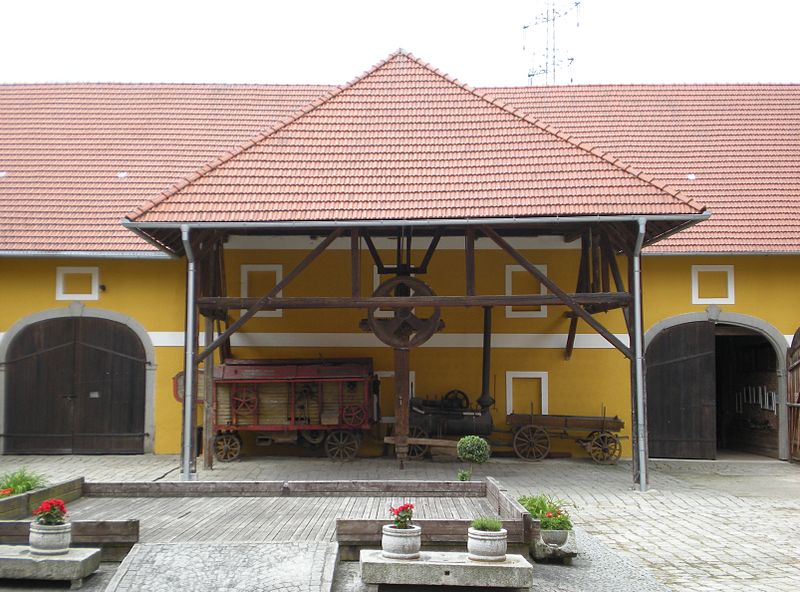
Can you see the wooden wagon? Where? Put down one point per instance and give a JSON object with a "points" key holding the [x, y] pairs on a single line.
{"points": [[533, 433], [314, 402]]}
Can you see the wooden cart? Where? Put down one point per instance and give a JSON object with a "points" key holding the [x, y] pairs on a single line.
{"points": [[532, 435]]}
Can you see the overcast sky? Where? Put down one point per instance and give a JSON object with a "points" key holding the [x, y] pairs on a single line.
{"points": [[331, 42]]}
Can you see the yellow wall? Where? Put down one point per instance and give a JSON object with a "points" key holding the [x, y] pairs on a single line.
{"points": [[152, 292]]}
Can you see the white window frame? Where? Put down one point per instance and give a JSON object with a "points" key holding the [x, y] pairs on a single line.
{"points": [[244, 270], [510, 312], [542, 376], [697, 269], [94, 272]]}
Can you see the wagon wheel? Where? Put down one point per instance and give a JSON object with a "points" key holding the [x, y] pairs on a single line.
{"points": [[455, 399], [341, 445], [417, 451], [404, 328], [354, 415], [227, 447], [313, 437], [605, 448], [531, 443]]}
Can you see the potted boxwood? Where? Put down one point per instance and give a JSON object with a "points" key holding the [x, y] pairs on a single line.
{"points": [[487, 540], [556, 538], [473, 450], [50, 533], [401, 540]]}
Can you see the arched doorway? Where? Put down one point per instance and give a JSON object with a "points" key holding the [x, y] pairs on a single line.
{"points": [[714, 382], [75, 384]]}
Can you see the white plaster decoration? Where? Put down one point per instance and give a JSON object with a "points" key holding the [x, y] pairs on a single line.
{"points": [[509, 282], [511, 375], [245, 270], [77, 309], [698, 269], [94, 290]]}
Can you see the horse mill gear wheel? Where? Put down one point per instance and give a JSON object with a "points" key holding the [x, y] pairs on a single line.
{"points": [[404, 328]]}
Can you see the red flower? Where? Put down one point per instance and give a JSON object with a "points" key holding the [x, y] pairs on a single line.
{"points": [[549, 514], [6, 491]]}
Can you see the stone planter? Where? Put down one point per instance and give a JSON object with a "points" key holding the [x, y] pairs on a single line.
{"points": [[401, 543], [554, 544], [485, 545], [50, 539]]}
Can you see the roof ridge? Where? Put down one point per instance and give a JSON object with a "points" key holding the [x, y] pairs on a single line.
{"points": [[590, 149], [184, 182]]}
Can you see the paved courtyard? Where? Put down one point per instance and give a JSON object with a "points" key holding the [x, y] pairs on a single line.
{"points": [[724, 525]]}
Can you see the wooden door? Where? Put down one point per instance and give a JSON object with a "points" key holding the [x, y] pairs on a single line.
{"points": [[75, 385], [793, 397], [681, 392]]}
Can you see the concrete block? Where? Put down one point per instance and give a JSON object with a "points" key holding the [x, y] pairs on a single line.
{"points": [[446, 569], [17, 562], [542, 551]]}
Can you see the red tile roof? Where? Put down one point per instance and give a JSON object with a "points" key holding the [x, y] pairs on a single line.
{"points": [[62, 148], [405, 142], [734, 148]]}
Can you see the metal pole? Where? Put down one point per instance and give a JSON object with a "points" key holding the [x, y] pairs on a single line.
{"points": [[187, 448], [641, 419]]}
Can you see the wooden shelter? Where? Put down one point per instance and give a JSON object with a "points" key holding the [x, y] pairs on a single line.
{"points": [[407, 153]]}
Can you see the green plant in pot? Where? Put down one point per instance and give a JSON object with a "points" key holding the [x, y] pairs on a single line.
{"points": [[473, 450], [401, 540], [487, 540], [556, 537], [50, 533]]}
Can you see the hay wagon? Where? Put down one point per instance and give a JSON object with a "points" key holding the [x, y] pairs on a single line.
{"points": [[533, 433], [329, 403]]}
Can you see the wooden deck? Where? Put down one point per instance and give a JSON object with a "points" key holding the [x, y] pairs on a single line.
{"points": [[259, 519]]}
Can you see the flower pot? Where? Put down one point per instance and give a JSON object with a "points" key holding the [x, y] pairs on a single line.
{"points": [[484, 545], [554, 537], [401, 543], [50, 539]]}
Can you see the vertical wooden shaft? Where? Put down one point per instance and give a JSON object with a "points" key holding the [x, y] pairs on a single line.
{"points": [[402, 389], [469, 252], [355, 263], [486, 399], [208, 396]]}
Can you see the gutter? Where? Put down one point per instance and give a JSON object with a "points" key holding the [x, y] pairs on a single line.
{"points": [[187, 450], [641, 422], [30, 254]]}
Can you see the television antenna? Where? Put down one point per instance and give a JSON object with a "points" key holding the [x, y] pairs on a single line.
{"points": [[549, 59]]}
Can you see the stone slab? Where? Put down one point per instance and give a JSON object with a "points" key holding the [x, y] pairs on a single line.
{"points": [[445, 569], [18, 563]]}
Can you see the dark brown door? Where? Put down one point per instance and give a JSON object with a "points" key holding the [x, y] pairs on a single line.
{"points": [[793, 397], [75, 385], [681, 392]]}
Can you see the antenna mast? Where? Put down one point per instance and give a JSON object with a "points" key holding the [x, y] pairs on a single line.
{"points": [[548, 59]]}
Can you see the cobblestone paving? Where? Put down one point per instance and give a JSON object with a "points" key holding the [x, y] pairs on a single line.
{"points": [[731, 526], [234, 567]]}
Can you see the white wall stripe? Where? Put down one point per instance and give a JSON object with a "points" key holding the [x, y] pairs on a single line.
{"points": [[461, 340]]}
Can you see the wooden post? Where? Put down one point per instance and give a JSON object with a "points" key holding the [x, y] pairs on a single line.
{"points": [[401, 395], [486, 400], [355, 263], [469, 252], [208, 397]]}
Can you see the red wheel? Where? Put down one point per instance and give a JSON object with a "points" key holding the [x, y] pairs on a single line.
{"points": [[244, 401], [354, 415]]}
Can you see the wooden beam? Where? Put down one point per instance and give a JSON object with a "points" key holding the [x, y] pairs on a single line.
{"points": [[423, 266], [595, 252], [248, 314], [376, 257], [563, 296], [395, 302], [469, 254], [355, 263], [402, 393], [618, 283], [580, 287]]}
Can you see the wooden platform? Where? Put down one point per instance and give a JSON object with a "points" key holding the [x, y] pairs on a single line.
{"points": [[258, 519]]}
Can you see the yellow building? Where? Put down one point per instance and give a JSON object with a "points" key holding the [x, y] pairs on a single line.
{"points": [[93, 316]]}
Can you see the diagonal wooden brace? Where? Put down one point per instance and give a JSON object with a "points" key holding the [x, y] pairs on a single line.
{"points": [[563, 296]]}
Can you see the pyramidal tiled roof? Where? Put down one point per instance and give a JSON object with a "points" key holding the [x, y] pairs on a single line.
{"points": [[405, 142]]}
